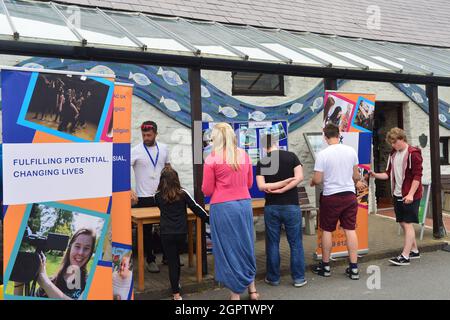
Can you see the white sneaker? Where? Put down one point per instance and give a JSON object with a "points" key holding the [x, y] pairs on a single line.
{"points": [[152, 267]]}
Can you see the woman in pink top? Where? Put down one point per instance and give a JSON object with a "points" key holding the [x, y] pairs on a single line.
{"points": [[227, 178]]}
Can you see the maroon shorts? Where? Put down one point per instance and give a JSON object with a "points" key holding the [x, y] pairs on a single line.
{"points": [[341, 206]]}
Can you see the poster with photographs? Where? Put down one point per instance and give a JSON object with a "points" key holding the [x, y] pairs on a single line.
{"points": [[251, 137]]}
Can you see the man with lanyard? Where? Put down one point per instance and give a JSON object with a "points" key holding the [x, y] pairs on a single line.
{"points": [[148, 159]]}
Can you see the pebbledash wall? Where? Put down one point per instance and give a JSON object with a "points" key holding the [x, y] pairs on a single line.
{"points": [[178, 137]]}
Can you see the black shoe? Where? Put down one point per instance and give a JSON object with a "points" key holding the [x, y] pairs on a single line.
{"points": [[399, 261], [352, 273], [414, 255], [321, 270]]}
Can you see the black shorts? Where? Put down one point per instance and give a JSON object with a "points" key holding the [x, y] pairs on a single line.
{"points": [[408, 213]]}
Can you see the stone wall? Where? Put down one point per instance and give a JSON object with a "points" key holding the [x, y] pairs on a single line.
{"points": [[178, 137]]}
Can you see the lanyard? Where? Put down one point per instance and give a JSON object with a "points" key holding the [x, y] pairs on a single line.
{"points": [[154, 162]]}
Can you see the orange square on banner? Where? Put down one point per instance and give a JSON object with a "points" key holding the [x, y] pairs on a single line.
{"points": [[94, 204], [121, 217], [101, 286], [11, 225], [122, 107], [42, 137]]}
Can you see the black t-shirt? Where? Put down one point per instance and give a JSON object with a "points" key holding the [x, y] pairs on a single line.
{"points": [[174, 214], [287, 162], [62, 285]]}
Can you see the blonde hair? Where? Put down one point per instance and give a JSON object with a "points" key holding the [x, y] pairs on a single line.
{"points": [[395, 134], [224, 141]]}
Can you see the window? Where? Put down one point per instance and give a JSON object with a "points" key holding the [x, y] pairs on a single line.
{"points": [[257, 84], [443, 150]]}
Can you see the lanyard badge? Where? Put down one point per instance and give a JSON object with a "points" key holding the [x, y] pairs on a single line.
{"points": [[153, 161]]}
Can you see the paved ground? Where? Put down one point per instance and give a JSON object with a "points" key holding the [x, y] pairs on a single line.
{"points": [[384, 242], [427, 278]]}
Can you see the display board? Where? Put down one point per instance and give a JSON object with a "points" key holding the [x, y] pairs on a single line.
{"points": [[249, 137]]}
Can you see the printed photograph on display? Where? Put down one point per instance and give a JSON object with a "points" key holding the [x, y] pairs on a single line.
{"points": [[207, 142], [338, 110], [107, 244], [247, 137], [364, 115], [278, 131], [56, 252], [67, 105], [363, 191], [254, 155], [315, 142], [122, 265]]}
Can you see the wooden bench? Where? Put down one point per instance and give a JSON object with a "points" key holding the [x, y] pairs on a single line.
{"points": [[445, 191], [309, 211]]}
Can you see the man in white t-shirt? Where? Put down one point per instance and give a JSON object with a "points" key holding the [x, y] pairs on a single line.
{"points": [[147, 160], [337, 167]]}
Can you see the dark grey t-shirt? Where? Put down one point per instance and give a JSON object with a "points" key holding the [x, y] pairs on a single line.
{"points": [[287, 162]]}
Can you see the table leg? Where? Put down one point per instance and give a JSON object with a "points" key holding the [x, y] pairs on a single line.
{"points": [[140, 244], [199, 250], [190, 244]]}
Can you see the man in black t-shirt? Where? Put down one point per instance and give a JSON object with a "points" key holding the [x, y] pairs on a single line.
{"points": [[278, 175]]}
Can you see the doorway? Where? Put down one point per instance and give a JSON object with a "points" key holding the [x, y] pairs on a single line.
{"points": [[387, 115]]}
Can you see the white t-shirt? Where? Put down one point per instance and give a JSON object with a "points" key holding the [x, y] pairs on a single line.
{"points": [[398, 171], [337, 162], [147, 176]]}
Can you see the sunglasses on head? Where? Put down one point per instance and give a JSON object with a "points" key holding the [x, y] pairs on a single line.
{"points": [[147, 127]]}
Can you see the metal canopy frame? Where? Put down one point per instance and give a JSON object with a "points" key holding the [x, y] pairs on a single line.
{"points": [[255, 43], [16, 34], [69, 24], [131, 36], [185, 43], [356, 52], [323, 48], [213, 38], [292, 47]]}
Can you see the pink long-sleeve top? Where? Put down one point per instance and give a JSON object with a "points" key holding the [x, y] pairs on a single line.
{"points": [[224, 184]]}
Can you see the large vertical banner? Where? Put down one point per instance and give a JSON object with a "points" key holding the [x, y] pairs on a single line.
{"points": [[121, 255], [354, 114], [57, 169]]}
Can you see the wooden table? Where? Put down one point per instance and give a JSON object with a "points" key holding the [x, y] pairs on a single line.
{"points": [[152, 215]]}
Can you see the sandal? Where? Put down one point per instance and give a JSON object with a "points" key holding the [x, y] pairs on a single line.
{"points": [[251, 293]]}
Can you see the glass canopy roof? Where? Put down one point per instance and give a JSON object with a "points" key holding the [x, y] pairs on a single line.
{"points": [[43, 22]]}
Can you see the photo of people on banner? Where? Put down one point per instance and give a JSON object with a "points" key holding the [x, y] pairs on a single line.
{"points": [[65, 104], [57, 253], [122, 262]]}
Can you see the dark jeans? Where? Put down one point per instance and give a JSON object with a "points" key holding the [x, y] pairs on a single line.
{"points": [[149, 246], [172, 245], [291, 217]]}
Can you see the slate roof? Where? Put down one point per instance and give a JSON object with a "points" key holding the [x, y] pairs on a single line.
{"points": [[424, 22]]}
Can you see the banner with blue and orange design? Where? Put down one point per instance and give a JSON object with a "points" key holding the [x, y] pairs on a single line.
{"points": [[58, 163], [353, 113]]}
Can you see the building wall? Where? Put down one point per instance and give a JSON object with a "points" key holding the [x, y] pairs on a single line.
{"points": [[178, 137]]}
